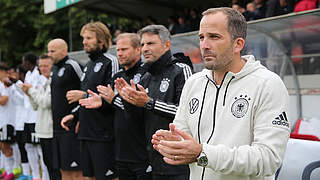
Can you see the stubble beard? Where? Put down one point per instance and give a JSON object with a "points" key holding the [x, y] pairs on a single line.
{"points": [[94, 49], [151, 58], [222, 61], [127, 63]]}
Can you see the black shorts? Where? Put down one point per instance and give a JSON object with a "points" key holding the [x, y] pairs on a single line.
{"points": [[171, 177], [134, 171], [98, 159], [20, 136], [30, 133], [66, 151], [7, 134]]}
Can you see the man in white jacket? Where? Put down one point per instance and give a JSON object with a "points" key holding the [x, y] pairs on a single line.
{"points": [[33, 76], [40, 100], [232, 120]]}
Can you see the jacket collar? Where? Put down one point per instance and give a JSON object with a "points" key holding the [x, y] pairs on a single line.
{"points": [[132, 70], [62, 61], [161, 63], [96, 55]]}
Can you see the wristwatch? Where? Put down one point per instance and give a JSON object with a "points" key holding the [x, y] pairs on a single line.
{"points": [[150, 104], [85, 95], [202, 159]]}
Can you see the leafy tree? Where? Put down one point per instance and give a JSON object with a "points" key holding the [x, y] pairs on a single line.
{"points": [[24, 27], [16, 28]]}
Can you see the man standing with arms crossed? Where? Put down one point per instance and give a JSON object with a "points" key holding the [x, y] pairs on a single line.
{"points": [[232, 120], [130, 140], [159, 94], [65, 76], [96, 131]]}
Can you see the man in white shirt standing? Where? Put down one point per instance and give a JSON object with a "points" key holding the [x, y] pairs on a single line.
{"points": [[6, 125], [20, 115], [40, 99]]}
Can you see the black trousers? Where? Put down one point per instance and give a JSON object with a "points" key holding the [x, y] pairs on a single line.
{"points": [[133, 171], [171, 177], [46, 146]]}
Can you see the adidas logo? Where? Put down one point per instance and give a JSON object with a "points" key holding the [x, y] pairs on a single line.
{"points": [[149, 169], [109, 172], [281, 120], [73, 164]]}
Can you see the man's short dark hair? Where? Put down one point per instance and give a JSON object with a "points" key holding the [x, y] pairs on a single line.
{"points": [[237, 24], [30, 57], [3, 66]]}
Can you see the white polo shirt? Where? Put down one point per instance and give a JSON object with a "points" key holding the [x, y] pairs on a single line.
{"points": [[20, 112], [35, 79], [4, 111]]}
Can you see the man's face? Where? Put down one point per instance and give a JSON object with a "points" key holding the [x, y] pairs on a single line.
{"points": [[3, 74], [90, 41], [45, 67], [215, 42], [56, 52], [152, 48], [13, 74], [251, 7], [26, 64], [127, 55]]}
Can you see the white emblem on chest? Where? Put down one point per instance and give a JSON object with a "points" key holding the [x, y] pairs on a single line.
{"points": [[61, 71], [240, 106], [136, 78], [97, 67], [164, 85]]}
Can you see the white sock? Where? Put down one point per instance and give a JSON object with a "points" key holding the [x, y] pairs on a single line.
{"points": [[16, 155], [25, 169], [9, 164], [44, 169], [2, 160], [33, 159]]}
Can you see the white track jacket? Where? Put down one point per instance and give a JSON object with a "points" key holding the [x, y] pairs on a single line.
{"points": [[40, 100], [242, 123]]}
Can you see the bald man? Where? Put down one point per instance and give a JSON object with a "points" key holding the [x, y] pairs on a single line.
{"points": [[66, 74]]}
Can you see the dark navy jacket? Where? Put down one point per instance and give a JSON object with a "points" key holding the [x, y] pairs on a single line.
{"points": [[97, 124], [65, 76]]}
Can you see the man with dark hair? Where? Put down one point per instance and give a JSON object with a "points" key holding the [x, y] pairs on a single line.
{"points": [[20, 113], [29, 60], [6, 124], [96, 131], [159, 93], [66, 74], [130, 140], [232, 120]]}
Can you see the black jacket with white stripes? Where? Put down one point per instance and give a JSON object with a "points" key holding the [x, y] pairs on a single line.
{"points": [[97, 124], [65, 76], [163, 82], [129, 128]]}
